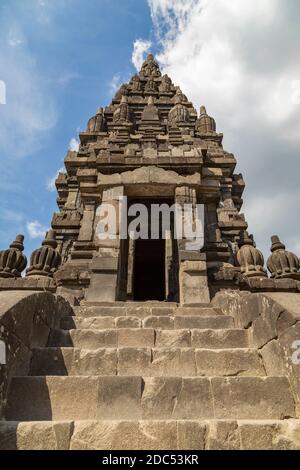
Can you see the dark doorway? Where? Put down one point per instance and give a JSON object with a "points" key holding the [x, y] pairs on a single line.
{"points": [[149, 270]]}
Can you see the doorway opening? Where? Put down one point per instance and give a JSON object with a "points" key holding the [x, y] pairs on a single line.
{"points": [[149, 270]]}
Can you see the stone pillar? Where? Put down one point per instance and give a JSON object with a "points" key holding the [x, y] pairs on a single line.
{"points": [[193, 281], [104, 278], [105, 285], [87, 223], [168, 265], [131, 252], [71, 202]]}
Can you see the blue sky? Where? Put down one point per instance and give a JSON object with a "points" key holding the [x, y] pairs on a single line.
{"points": [[61, 59], [73, 52]]}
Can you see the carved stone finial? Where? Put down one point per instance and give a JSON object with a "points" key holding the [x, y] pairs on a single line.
{"points": [[136, 83], [180, 97], [205, 124], [45, 260], [97, 122], [179, 114], [13, 261], [282, 263], [151, 86], [122, 113], [250, 259], [166, 84], [150, 112], [150, 67]]}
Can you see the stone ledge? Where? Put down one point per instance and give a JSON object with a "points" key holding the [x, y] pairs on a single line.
{"points": [[151, 435], [31, 284], [136, 397]]}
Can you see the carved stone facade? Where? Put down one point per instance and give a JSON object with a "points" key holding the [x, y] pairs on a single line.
{"points": [[149, 144]]}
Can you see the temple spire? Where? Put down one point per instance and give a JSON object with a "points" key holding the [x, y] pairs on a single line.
{"points": [[150, 67]]}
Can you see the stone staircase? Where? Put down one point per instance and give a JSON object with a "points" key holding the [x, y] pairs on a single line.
{"points": [[149, 376]]}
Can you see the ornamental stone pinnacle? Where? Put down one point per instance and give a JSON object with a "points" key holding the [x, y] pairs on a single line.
{"points": [[150, 67], [45, 260], [282, 263], [205, 123], [250, 259], [13, 261]]}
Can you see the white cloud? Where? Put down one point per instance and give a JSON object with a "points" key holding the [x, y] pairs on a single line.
{"points": [[15, 37], [220, 51], [35, 229], [140, 48], [51, 181], [2, 92], [74, 144], [270, 214], [240, 59], [67, 77], [115, 83], [30, 110]]}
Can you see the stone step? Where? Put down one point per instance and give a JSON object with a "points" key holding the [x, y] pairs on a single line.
{"points": [[143, 311], [163, 322], [162, 362], [135, 398], [151, 435], [149, 338], [131, 303]]}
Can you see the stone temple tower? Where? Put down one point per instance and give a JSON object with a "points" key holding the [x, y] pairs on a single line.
{"points": [[151, 146], [161, 342]]}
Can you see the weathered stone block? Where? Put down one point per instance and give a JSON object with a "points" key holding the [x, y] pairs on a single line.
{"points": [[177, 398], [191, 435], [270, 435], [194, 322], [219, 339], [223, 435], [124, 435], [273, 357], [193, 282], [159, 322], [52, 398], [236, 362], [119, 398], [174, 338], [128, 322], [134, 361], [142, 337], [94, 339], [252, 398], [171, 362], [35, 435]]}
